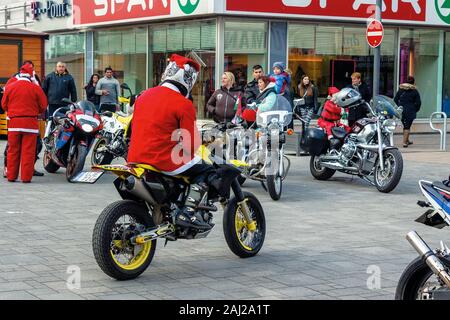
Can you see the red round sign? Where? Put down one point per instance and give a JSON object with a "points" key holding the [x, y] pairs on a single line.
{"points": [[375, 33]]}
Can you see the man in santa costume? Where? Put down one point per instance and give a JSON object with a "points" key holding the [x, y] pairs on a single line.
{"points": [[165, 136], [23, 100]]}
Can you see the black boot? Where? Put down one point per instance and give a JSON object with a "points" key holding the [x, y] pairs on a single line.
{"points": [[188, 217]]}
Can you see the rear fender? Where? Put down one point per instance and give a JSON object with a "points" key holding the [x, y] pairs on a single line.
{"points": [[122, 171]]}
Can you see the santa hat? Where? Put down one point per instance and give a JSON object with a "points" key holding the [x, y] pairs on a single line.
{"points": [[182, 61], [27, 68], [332, 90]]}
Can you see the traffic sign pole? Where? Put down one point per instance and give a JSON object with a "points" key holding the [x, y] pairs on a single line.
{"points": [[377, 56]]}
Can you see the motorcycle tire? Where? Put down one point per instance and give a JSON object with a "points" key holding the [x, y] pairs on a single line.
{"points": [[107, 157], [76, 165], [320, 174], [234, 227], [274, 186], [49, 165], [102, 240], [413, 278], [396, 175]]}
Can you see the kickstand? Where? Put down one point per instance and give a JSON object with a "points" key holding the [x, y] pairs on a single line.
{"points": [[165, 243], [264, 186]]}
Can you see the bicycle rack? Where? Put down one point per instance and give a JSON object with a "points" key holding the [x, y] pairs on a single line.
{"points": [[443, 131]]}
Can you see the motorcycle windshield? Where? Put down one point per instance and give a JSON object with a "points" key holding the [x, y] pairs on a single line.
{"points": [[280, 113], [86, 107], [385, 106]]}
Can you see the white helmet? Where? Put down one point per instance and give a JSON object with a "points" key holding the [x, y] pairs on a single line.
{"points": [[181, 70], [346, 97]]}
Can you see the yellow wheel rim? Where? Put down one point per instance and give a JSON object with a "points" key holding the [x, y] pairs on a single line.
{"points": [[137, 261], [240, 224]]}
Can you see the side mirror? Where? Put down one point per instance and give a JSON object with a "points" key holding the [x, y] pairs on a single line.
{"points": [[66, 100], [125, 86]]}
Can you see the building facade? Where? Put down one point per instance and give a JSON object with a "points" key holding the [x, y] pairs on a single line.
{"points": [[325, 39]]}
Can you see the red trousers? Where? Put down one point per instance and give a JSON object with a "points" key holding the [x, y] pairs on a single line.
{"points": [[21, 154]]}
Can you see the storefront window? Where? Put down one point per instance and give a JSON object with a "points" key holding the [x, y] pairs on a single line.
{"points": [[245, 47], [419, 56], [125, 51], [446, 84], [68, 48], [195, 40], [330, 54]]}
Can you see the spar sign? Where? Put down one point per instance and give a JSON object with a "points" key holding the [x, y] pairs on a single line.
{"points": [[90, 12], [375, 33], [346, 10]]}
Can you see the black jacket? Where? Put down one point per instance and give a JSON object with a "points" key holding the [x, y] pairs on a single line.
{"points": [[409, 98], [251, 91], [310, 101], [91, 96], [360, 111], [56, 87], [222, 102]]}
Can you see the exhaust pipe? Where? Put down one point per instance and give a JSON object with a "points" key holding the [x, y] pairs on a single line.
{"points": [[137, 188], [337, 166], [428, 255]]}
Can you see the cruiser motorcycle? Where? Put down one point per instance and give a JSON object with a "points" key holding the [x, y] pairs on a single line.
{"points": [[113, 140], [75, 128], [367, 151], [125, 234], [428, 276]]}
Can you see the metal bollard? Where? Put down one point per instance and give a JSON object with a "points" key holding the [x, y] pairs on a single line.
{"points": [[443, 131]]}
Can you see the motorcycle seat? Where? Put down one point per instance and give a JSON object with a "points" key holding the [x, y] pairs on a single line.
{"points": [[339, 133]]}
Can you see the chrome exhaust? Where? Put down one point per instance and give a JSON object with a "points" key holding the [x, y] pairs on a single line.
{"points": [[137, 188], [428, 255]]}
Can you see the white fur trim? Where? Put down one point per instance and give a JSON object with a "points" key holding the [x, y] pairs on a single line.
{"points": [[171, 86], [184, 168], [23, 130]]}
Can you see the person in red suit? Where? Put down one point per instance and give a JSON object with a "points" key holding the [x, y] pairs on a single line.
{"points": [[165, 135], [331, 114], [24, 101]]}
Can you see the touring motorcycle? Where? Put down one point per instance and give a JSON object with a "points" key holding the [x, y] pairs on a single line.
{"points": [[125, 234], [113, 140], [367, 151], [260, 152], [428, 276], [75, 128]]}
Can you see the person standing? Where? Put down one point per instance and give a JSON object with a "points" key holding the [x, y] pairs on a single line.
{"points": [[222, 103], [24, 101], [90, 91], [108, 88], [409, 98], [360, 111], [308, 100], [251, 90], [57, 86]]}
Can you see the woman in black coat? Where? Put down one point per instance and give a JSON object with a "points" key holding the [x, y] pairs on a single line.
{"points": [[90, 91], [409, 98]]}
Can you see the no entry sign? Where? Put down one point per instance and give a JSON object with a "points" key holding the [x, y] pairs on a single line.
{"points": [[375, 33]]}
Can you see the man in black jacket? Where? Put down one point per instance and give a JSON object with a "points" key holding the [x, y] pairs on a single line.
{"points": [[251, 90], [360, 111], [58, 85]]}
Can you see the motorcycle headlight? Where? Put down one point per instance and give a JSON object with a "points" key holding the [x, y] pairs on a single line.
{"points": [[389, 125], [87, 128]]}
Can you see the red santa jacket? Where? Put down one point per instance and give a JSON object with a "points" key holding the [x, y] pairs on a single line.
{"points": [[164, 132], [331, 112], [23, 101]]}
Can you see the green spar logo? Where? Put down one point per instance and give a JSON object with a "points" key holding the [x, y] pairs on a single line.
{"points": [[189, 8], [440, 9]]}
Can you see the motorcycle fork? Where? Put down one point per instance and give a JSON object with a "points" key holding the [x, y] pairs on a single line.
{"points": [[380, 144], [242, 204]]}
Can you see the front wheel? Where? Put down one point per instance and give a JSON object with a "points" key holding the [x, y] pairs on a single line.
{"points": [[243, 242], [418, 282], [386, 180], [101, 156], [49, 165], [113, 250], [76, 164]]}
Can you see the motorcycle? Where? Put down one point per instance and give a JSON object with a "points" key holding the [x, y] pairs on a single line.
{"points": [[367, 151], [125, 234], [260, 153], [75, 128], [428, 276], [113, 140]]}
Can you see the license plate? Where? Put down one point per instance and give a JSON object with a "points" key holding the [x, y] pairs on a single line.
{"points": [[88, 177]]}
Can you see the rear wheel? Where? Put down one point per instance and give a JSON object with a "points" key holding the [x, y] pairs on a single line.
{"points": [[113, 250], [76, 164], [243, 242], [386, 180], [101, 156], [319, 172]]}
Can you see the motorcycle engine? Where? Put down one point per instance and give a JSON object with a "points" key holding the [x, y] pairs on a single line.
{"points": [[348, 150]]}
